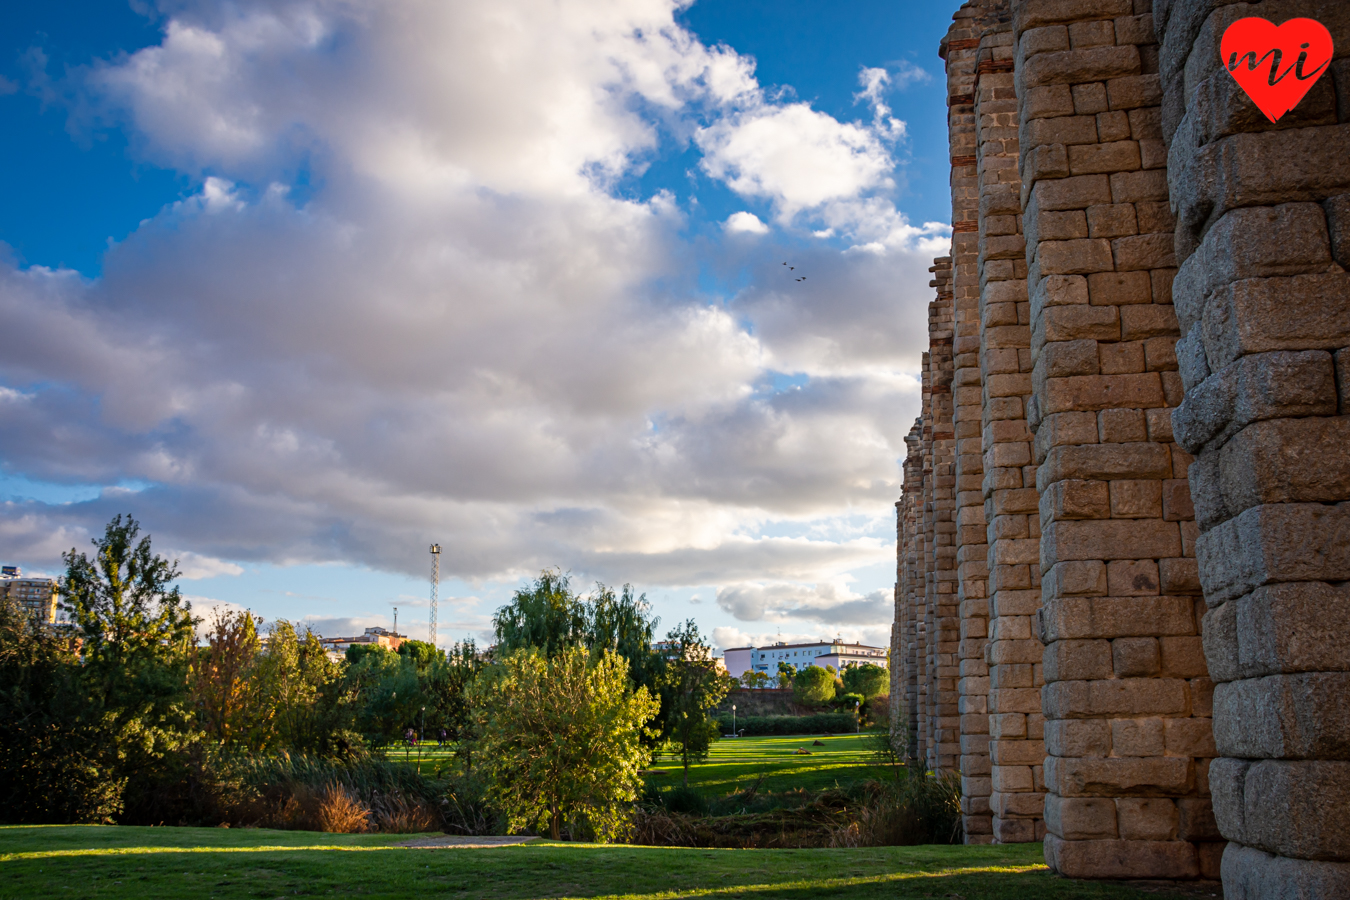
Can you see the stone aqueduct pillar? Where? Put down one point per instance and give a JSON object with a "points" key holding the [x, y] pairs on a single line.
{"points": [[1126, 696], [1007, 491], [940, 732], [1263, 302], [960, 50]]}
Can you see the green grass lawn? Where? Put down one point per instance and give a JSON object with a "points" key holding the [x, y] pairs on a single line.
{"points": [[736, 763], [112, 862]]}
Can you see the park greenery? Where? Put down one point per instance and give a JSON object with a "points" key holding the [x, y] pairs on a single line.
{"points": [[119, 863], [565, 726]]}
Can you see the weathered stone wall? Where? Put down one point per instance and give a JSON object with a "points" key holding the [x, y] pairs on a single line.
{"points": [[940, 731], [1052, 637], [925, 577], [1008, 491], [1263, 301], [961, 50], [1126, 698]]}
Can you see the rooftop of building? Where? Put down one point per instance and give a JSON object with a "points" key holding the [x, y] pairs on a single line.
{"points": [[779, 645]]}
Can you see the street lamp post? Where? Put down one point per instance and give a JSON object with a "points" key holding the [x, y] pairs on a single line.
{"points": [[857, 717], [733, 720]]}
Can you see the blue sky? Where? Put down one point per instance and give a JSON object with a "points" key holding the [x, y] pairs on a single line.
{"points": [[305, 292]]}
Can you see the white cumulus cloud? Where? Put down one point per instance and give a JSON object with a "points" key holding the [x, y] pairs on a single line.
{"points": [[745, 223], [405, 302]]}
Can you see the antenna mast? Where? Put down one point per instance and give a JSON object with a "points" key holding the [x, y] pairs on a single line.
{"points": [[435, 589]]}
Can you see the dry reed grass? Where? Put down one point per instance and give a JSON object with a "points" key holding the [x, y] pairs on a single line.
{"points": [[338, 811], [403, 815]]}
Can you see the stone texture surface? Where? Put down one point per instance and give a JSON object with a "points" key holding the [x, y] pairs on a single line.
{"points": [[1124, 695], [1263, 301], [1123, 557]]}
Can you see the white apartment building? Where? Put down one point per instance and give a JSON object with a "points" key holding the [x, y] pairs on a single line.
{"points": [[838, 654], [737, 660]]}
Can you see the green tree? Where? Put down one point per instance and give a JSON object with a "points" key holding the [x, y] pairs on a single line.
{"points": [[357, 652], [786, 671], [387, 695], [446, 685], [136, 639], [282, 691], [560, 737], [547, 616], [551, 617], [223, 688], [813, 685], [57, 760], [692, 686], [867, 679], [303, 707], [754, 680], [420, 653], [323, 727], [623, 624]]}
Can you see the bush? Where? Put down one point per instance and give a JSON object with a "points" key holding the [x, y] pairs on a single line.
{"points": [[560, 738], [920, 808], [682, 799], [465, 807], [323, 795], [337, 811], [822, 723]]}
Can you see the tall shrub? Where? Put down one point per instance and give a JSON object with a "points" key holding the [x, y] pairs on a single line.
{"points": [[560, 739], [57, 760]]}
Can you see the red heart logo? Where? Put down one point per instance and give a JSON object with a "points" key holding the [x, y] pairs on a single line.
{"points": [[1276, 65]]}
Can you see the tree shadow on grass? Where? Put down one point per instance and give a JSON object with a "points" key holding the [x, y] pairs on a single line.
{"points": [[159, 864]]}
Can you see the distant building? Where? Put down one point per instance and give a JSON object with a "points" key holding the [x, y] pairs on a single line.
{"points": [[668, 650], [737, 660], [36, 595], [389, 640], [839, 654], [846, 655]]}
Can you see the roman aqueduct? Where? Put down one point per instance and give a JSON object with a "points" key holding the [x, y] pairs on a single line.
{"points": [[1122, 609]]}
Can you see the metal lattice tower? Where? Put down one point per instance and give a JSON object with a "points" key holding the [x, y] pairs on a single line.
{"points": [[435, 589]]}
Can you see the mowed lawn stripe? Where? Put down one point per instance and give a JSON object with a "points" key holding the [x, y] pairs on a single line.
{"points": [[736, 763], [231, 864]]}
